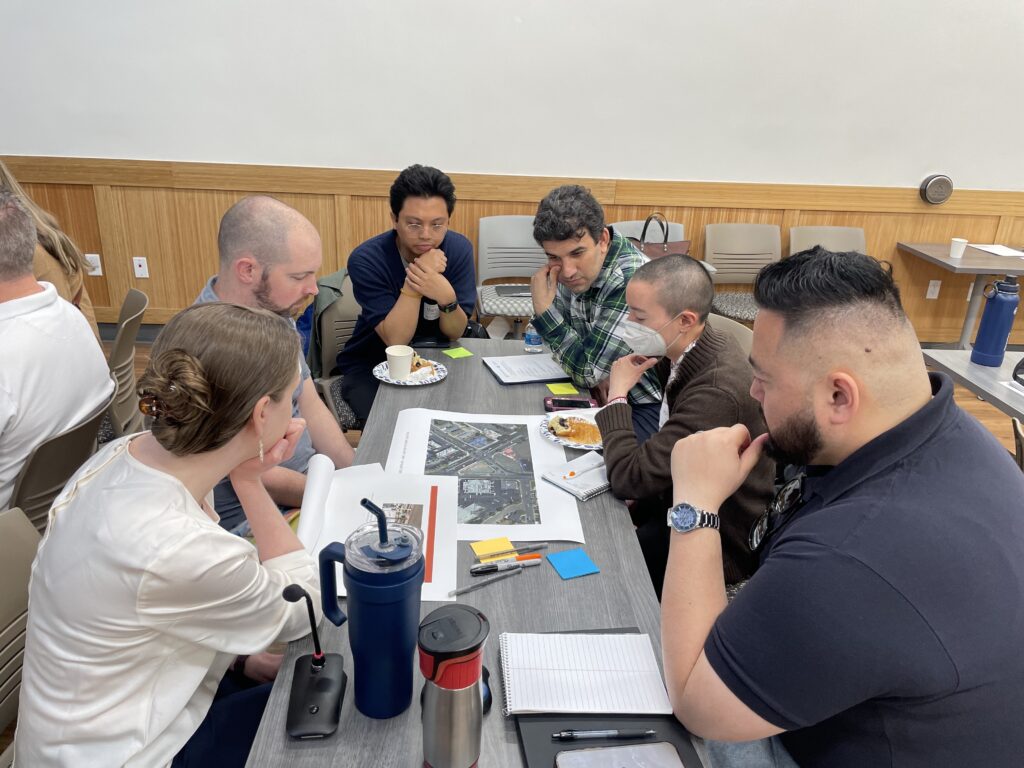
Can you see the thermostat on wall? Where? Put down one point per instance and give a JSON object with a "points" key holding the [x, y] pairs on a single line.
{"points": [[936, 188]]}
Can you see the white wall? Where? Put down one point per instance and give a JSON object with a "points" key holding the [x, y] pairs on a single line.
{"points": [[876, 92]]}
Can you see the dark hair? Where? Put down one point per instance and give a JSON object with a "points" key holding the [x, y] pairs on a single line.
{"points": [[568, 212], [681, 283], [17, 238], [815, 282], [200, 386], [422, 181]]}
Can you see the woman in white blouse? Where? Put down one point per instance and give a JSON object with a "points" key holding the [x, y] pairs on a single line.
{"points": [[139, 601]]}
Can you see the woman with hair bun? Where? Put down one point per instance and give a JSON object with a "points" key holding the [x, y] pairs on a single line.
{"points": [[139, 600]]}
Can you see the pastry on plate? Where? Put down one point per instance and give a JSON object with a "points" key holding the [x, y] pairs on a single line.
{"points": [[421, 366], [575, 430]]}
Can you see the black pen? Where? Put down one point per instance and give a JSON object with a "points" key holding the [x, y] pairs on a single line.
{"points": [[609, 733]]}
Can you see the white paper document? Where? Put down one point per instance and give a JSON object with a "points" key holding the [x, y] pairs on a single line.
{"points": [[523, 369], [499, 461], [331, 511], [999, 250]]}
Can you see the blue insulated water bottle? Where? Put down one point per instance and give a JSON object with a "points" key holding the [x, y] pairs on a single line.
{"points": [[383, 574], [1002, 298]]}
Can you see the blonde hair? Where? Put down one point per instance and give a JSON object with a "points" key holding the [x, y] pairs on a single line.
{"points": [[209, 367], [48, 231]]}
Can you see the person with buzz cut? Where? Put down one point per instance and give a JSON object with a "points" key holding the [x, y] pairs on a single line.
{"points": [[706, 377], [413, 283]]}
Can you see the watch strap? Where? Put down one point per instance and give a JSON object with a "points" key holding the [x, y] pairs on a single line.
{"points": [[449, 308]]}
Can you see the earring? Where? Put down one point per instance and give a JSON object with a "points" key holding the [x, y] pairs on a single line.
{"points": [[261, 450]]}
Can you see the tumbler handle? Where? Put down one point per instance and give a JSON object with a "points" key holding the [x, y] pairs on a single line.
{"points": [[329, 555]]}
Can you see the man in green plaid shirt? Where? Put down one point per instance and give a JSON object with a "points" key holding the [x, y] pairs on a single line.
{"points": [[579, 296]]}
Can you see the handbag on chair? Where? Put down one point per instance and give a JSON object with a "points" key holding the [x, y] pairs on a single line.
{"points": [[655, 250]]}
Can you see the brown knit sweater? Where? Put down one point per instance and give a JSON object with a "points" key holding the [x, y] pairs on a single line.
{"points": [[711, 389]]}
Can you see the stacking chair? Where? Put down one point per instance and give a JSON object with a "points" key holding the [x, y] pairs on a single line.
{"points": [[506, 249], [337, 324], [52, 463], [18, 544], [739, 331], [124, 416], [737, 252], [1018, 440], [839, 239]]}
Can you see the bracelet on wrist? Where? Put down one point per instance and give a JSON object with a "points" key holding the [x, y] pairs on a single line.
{"points": [[409, 292], [615, 400]]}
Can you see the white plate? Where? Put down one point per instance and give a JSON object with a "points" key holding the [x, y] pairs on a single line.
{"points": [[546, 431], [380, 371]]}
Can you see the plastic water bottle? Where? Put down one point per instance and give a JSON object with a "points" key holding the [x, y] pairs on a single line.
{"points": [[1002, 298], [532, 342]]}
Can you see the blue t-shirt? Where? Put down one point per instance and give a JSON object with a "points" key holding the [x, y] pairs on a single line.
{"points": [[886, 622], [377, 270], [229, 508]]}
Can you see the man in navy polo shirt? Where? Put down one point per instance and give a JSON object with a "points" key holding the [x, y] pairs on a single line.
{"points": [[413, 282], [884, 625]]}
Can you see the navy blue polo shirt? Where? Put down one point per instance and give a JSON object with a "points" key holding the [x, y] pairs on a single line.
{"points": [[377, 270], [885, 626]]}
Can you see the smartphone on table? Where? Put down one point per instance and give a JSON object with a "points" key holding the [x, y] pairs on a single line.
{"points": [[568, 403]]}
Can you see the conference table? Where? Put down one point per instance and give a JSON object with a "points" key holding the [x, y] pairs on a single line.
{"points": [[975, 261], [538, 600], [986, 382]]}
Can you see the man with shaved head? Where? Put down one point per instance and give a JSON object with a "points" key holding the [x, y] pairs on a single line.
{"points": [[269, 257], [706, 379], [884, 624]]}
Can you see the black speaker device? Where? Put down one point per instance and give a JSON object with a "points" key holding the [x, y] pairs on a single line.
{"points": [[318, 684]]}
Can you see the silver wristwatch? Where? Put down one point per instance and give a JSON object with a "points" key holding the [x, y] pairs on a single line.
{"points": [[686, 517]]}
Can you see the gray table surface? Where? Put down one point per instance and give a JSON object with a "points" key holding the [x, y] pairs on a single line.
{"points": [[982, 380], [537, 600], [973, 262]]}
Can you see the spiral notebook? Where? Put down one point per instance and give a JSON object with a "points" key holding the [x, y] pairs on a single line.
{"points": [[584, 477], [581, 673]]}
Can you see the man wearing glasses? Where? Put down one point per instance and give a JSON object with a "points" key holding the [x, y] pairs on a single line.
{"points": [[413, 283], [884, 624]]}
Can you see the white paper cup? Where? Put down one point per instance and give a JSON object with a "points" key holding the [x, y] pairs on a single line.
{"points": [[956, 247], [399, 361]]}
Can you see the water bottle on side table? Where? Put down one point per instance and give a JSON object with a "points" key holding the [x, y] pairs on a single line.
{"points": [[532, 342], [1002, 298]]}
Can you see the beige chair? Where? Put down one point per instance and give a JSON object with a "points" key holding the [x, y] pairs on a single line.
{"points": [[124, 410], [739, 331], [18, 544], [1018, 441], [337, 324], [737, 252], [839, 239], [506, 249], [51, 464]]}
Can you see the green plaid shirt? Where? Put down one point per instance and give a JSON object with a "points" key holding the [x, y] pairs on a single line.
{"points": [[580, 329]]}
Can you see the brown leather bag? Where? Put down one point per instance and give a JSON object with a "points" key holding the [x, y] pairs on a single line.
{"points": [[655, 249]]}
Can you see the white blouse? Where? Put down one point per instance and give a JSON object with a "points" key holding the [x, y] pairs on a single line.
{"points": [[137, 605]]}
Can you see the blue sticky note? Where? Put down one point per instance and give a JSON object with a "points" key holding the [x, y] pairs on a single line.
{"points": [[573, 563]]}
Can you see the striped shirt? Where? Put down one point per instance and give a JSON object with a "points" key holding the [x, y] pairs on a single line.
{"points": [[580, 329]]}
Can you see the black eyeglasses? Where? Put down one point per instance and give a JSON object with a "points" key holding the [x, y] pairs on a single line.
{"points": [[787, 501]]}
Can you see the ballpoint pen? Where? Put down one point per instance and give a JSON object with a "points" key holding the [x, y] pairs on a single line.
{"points": [[485, 582], [524, 561], [515, 550], [607, 733]]}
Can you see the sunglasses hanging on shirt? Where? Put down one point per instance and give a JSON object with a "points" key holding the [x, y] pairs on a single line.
{"points": [[788, 499]]}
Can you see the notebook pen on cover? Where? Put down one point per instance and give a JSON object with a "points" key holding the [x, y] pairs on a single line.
{"points": [[607, 733]]}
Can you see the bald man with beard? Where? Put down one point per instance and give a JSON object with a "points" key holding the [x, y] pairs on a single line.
{"points": [[884, 625]]}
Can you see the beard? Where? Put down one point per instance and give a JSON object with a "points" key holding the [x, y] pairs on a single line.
{"points": [[795, 441], [261, 293]]}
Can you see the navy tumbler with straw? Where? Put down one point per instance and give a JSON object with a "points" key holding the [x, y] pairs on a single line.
{"points": [[383, 574]]}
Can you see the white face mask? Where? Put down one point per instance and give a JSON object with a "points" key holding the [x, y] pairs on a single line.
{"points": [[643, 340]]}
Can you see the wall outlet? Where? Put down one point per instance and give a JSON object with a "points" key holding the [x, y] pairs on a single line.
{"points": [[141, 267], [932, 293], [95, 267]]}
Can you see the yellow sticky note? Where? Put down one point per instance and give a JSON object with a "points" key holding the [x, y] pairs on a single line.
{"points": [[488, 547], [563, 389], [456, 352]]}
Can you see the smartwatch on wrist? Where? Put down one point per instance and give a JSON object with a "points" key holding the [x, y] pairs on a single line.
{"points": [[686, 517], [449, 308]]}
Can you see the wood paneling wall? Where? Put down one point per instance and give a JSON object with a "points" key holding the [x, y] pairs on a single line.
{"points": [[169, 212]]}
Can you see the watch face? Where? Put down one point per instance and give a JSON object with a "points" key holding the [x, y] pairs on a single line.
{"points": [[684, 518]]}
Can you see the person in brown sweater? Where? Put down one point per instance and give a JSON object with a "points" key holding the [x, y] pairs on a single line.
{"points": [[706, 379]]}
